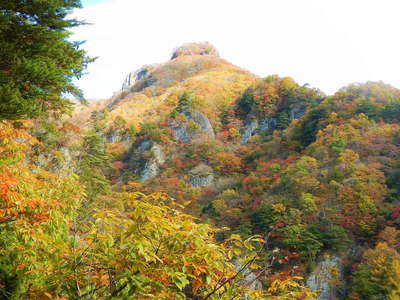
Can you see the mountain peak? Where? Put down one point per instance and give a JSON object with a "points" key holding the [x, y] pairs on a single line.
{"points": [[203, 48]]}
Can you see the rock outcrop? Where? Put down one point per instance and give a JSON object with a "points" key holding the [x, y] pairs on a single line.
{"points": [[184, 134], [204, 48], [135, 76], [253, 126], [268, 124], [145, 159], [296, 113], [202, 175], [249, 129], [328, 278]]}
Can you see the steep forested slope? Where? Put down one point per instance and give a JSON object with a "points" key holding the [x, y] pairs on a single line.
{"points": [[200, 180], [316, 175]]}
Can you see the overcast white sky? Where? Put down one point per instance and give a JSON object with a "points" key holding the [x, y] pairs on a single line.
{"points": [[326, 43]]}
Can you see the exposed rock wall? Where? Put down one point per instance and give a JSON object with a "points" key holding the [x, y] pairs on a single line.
{"points": [[135, 76], [202, 175], [328, 278], [145, 159], [181, 132], [250, 128]]}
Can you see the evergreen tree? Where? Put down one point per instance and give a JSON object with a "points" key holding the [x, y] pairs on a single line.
{"points": [[93, 164], [185, 102], [283, 120], [37, 59], [368, 108], [245, 103]]}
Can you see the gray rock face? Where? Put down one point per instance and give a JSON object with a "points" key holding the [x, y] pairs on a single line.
{"points": [[159, 155], [328, 278], [144, 145], [252, 125], [204, 48], [201, 181], [145, 160], [201, 176], [132, 77], [268, 123], [112, 138], [149, 171], [250, 128], [295, 114], [203, 121], [180, 131]]}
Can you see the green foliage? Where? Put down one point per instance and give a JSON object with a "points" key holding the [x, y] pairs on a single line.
{"points": [[391, 111], [365, 106], [338, 145], [333, 237], [282, 120], [307, 130], [151, 131], [252, 156], [93, 166], [378, 276], [300, 177], [262, 218], [47, 133], [245, 103], [185, 102], [38, 60], [299, 239]]}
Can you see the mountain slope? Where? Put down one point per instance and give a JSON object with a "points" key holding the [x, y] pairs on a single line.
{"points": [[316, 174]]}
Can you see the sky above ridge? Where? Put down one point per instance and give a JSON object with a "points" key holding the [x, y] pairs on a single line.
{"points": [[327, 44]]}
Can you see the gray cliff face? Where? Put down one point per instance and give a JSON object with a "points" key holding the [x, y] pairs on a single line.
{"points": [[328, 278], [145, 160], [253, 126], [201, 176], [181, 131], [149, 171], [267, 124], [133, 77], [250, 128], [296, 113], [203, 121]]}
